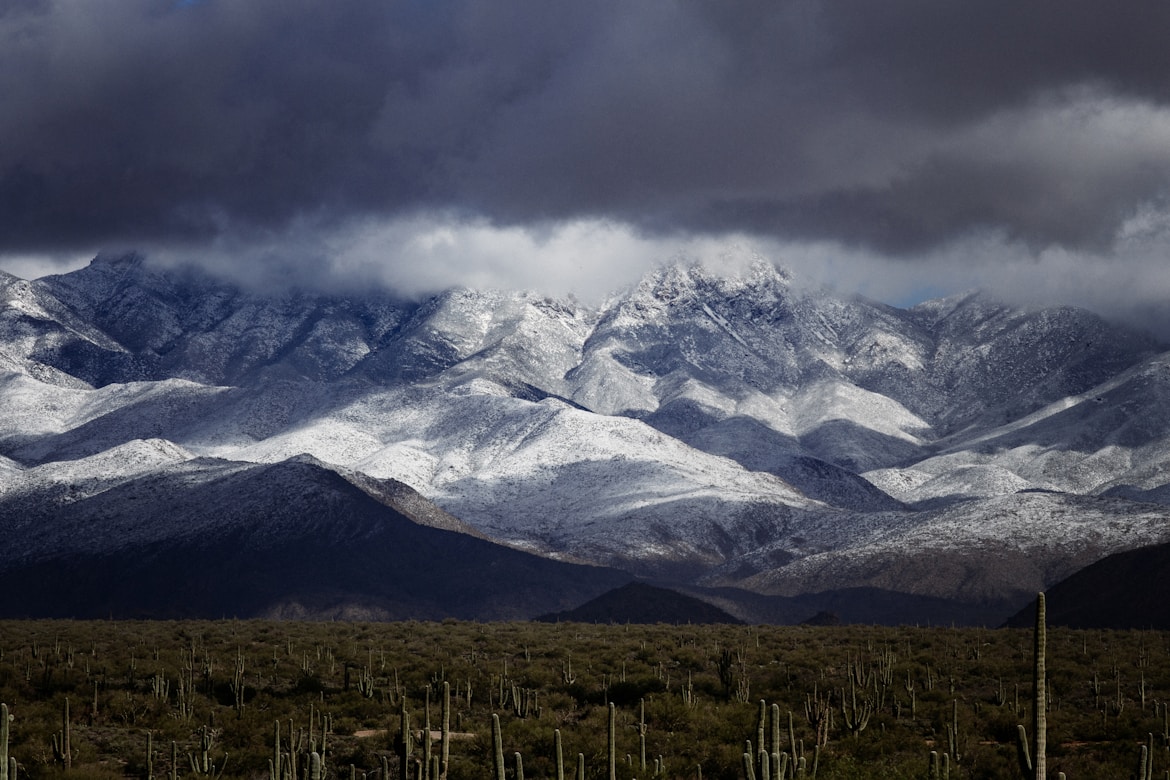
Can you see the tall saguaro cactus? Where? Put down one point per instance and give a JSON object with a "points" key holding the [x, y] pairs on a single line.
{"points": [[405, 744], [426, 737], [497, 749], [445, 735], [558, 749], [612, 744], [1039, 674], [4, 774], [62, 749], [274, 762], [642, 736], [1036, 762]]}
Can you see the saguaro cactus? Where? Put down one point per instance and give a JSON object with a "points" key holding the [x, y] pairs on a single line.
{"points": [[642, 735], [749, 766], [1146, 761], [1040, 674], [612, 743], [4, 773], [445, 736], [497, 748], [405, 743], [201, 761], [762, 729], [854, 713], [274, 762], [558, 749], [1036, 763], [953, 739], [62, 750], [426, 737]]}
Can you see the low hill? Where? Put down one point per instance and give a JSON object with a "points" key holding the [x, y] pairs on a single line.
{"points": [[290, 540], [1125, 590], [638, 602]]}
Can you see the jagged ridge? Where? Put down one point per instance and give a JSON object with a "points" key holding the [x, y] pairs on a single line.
{"points": [[729, 428]]}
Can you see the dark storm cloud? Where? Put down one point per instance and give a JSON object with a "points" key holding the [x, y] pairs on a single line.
{"points": [[894, 125]]}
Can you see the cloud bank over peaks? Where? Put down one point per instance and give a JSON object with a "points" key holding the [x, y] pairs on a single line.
{"points": [[425, 253], [559, 144]]}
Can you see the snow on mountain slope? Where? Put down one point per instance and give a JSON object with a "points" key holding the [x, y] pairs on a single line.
{"points": [[47, 422], [575, 480], [830, 400], [1001, 549], [34, 327], [516, 339], [994, 364], [688, 321], [182, 323], [542, 475], [31, 303], [855, 428], [63, 482], [915, 486], [760, 448], [725, 421], [606, 382], [689, 348], [8, 468], [1114, 436], [33, 408]]}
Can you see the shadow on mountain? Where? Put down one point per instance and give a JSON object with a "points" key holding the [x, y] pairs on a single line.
{"points": [[183, 411], [1158, 495], [757, 447], [856, 448], [529, 392], [835, 486], [298, 540], [1126, 590], [162, 415], [1133, 414], [406, 573], [92, 363], [683, 418]]}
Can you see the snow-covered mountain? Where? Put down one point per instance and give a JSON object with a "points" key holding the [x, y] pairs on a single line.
{"points": [[715, 428]]}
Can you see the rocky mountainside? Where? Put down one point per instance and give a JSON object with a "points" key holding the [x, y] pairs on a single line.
{"points": [[727, 429]]}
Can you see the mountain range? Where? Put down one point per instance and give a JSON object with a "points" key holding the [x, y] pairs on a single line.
{"points": [[173, 444]]}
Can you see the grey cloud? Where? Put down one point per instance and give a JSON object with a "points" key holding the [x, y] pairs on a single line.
{"points": [[897, 125]]}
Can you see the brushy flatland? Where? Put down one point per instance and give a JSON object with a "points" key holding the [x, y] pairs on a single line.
{"points": [[906, 691]]}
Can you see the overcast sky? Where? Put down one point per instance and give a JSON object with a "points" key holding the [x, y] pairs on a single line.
{"points": [[898, 149]]}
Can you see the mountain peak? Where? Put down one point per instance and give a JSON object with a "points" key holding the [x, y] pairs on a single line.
{"points": [[726, 275], [709, 425], [122, 261]]}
